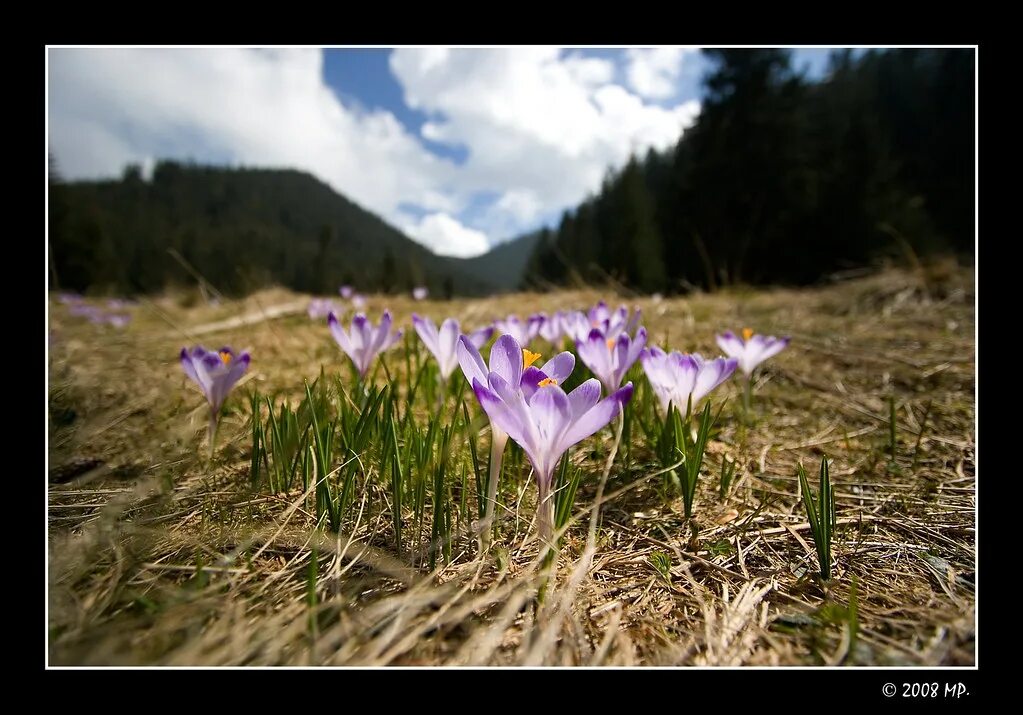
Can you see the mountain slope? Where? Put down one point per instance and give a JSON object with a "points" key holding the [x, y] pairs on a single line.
{"points": [[504, 266], [241, 229]]}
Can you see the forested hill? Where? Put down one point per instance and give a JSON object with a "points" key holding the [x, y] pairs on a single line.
{"points": [[241, 229], [782, 180]]}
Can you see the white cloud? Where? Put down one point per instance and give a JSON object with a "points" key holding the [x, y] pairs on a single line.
{"points": [[535, 122], [540, 126], [654, 73], [523, 205], [443, 234], [252, 107]]}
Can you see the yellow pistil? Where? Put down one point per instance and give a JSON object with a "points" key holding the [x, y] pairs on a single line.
{"points": [[747, 333], [611, 343], [547, 382], [528, 358], [225, 357]]}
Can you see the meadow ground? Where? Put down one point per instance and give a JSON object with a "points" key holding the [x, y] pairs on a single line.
{"points": [[159, 555]]}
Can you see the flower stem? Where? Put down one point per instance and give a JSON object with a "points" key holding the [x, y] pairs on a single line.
{"points": [[212, 432], [591, 536], [498, 441], [545, 512], [746, 397], [442, 386]]}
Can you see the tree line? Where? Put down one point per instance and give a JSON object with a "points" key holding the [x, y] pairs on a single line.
{"points": [[240, 229], [784, 180]]}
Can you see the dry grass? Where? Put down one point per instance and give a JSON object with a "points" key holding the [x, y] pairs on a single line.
{"points": [[158, 557]]}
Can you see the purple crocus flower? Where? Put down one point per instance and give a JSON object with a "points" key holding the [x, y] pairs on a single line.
{"points": [[750, 350], [358, 301], [346, 291], [543, 420], [523, 332], [321, 308], [610, 358], [576, 325], [611, 323], [84, 310], [420, 293], [119, 320], [550, 327], [676, 377], [481, 336], [365, 342], [512, 364], [444, 343], [216, 373]]}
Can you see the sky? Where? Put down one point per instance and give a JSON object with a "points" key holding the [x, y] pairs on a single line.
{"points": [[461, 149]]}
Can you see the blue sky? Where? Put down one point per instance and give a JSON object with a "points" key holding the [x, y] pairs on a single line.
{"points": [[459, 148]]}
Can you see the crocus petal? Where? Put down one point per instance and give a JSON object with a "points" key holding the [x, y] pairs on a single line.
{"points": [[446, 343], [340, 335], [552, 415], [359, 335], [635, 348], [470, 361], [532, 376], [584, 397], [480, 337], [515, 401], [383, 334], [731, 344], [712, 374], [595, 354], [499, 413], [773, 347], [506, 359], [186, 364], [559, 367], [596, 418], [427, 332]]}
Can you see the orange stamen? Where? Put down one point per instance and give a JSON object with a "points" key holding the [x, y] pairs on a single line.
{"points": [[225, 357], [528, 358], [547, 382], [747, 333], [611, 343]]}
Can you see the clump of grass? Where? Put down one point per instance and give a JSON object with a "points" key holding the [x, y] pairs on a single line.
{"points": [[676, 442], [821, 516], [727, 475]]}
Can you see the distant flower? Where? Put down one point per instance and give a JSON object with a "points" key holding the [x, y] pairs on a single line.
{"points": [[481, 336], [523, 332], [610, 358], [215, 373], [750, 350], [540, 417], [420, 293], [118, 304], [321, 308], [442, 344], [676, 377], [69, 298], [577, 325], [550, 327], [119, 320], [358, 301], [364, 342], [346, 291], [90, 312]]}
